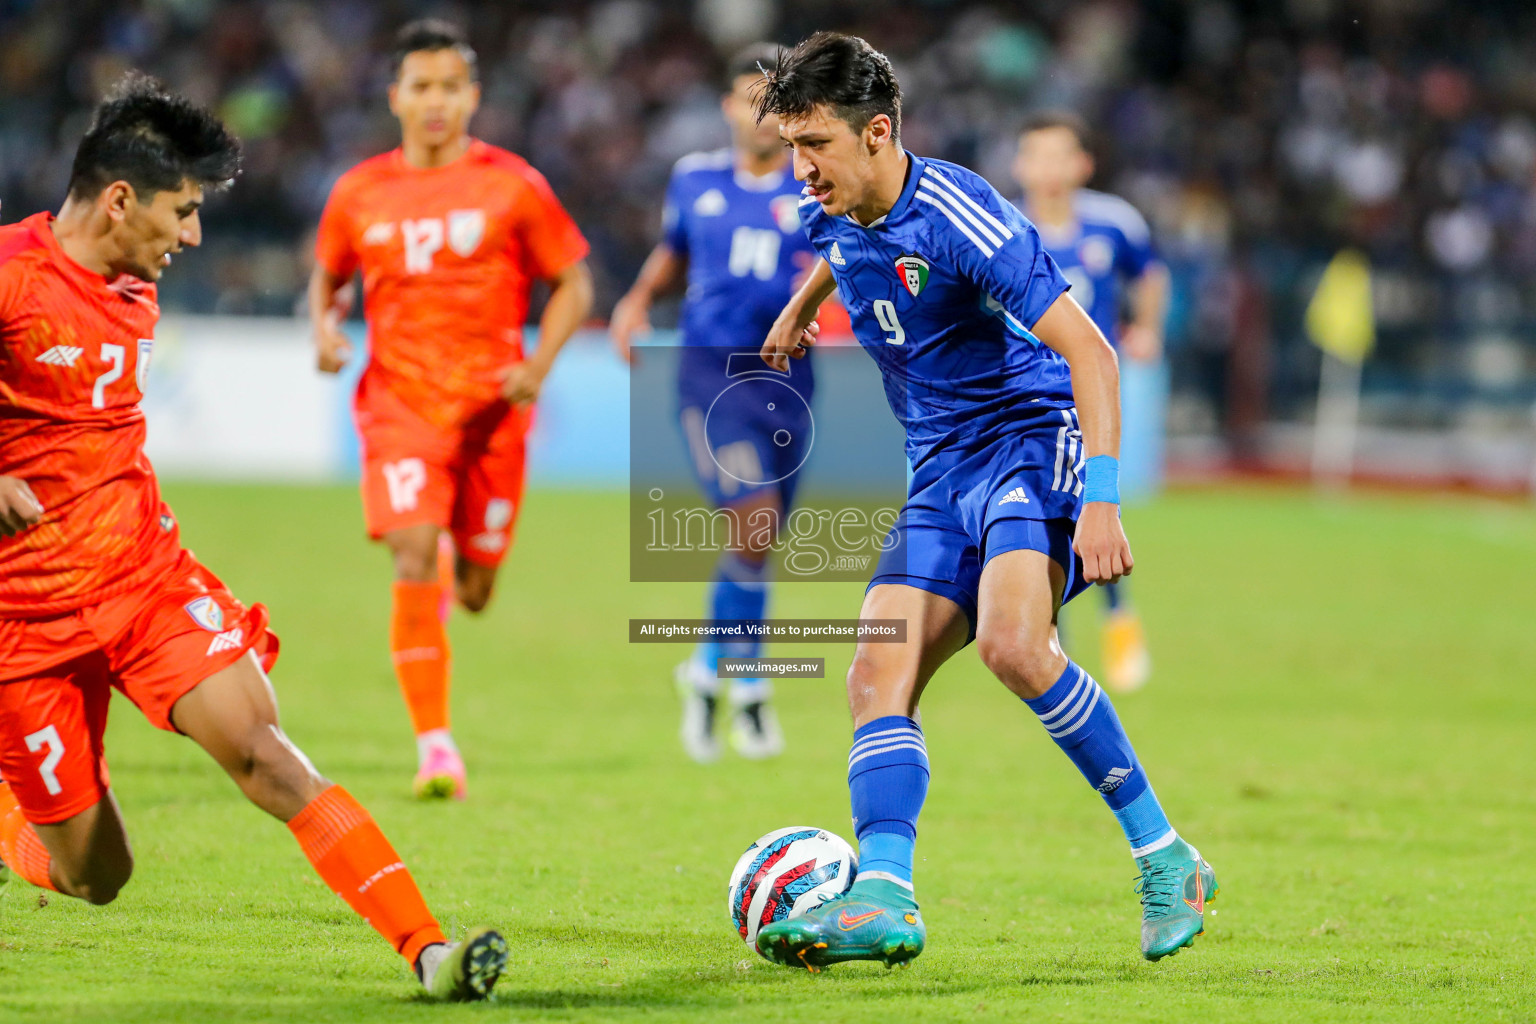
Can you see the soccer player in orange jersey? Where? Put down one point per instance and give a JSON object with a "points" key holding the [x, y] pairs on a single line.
{"points": [[450, 234], [96, 591]]}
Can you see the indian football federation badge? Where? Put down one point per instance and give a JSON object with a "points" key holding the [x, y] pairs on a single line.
{"points": [[465, 229], [914, 272], [206, 613], [141, 368]]}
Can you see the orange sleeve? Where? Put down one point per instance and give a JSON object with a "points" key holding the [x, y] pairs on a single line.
{"points": [[333, 239], [549, 236], [9, 290], [15, 242]]}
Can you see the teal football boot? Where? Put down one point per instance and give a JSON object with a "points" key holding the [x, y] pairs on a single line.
{"points": [[1175, 885], [875, 920]]}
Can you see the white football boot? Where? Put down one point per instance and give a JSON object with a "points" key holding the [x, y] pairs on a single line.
{"points": [[699, 692], [755, 732]]}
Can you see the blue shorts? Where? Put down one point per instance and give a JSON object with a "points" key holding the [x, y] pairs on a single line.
{"points": [[1022, 492], [747, 428]]}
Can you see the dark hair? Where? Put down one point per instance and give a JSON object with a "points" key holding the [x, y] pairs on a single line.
{"points": [[756, 59], [842, 72], [429, 35], [1068, 119], [153, 140]]}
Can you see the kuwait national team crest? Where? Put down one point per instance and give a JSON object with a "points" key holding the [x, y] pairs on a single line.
{"points": [[786, 212], [914, 272]]}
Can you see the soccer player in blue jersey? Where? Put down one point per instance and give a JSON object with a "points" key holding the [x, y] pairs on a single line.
{"points": [[1104, 249], [731, 229], [1008, 394]]}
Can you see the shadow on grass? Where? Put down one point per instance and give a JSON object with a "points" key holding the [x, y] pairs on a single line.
{"points": [[701, 979]]}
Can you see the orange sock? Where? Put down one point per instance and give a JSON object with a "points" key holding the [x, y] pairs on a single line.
{"points": [[343, 842], [419, 644], [20, 848], [445, 576]]}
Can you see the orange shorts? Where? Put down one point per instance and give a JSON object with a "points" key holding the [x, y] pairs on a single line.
{"points": [[153, 644], [468, 481]]}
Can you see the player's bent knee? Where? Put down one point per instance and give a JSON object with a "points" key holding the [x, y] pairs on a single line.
{"points": [[99, 884], [276, 777], [875, 683], [415, 553], [1026, 665], [474, 585], [413, 566], [474, 598]]}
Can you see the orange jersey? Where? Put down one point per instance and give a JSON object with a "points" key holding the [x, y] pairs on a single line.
{"points": [[74, 354], [448, 256]]}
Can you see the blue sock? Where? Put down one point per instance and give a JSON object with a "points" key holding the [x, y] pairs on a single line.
{"points": [[887, 783], [1082, 721], [1114, 597], [738, 592]]}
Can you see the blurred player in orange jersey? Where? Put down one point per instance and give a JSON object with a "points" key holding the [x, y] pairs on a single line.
{"points": [[96, 591], [450, 235]]}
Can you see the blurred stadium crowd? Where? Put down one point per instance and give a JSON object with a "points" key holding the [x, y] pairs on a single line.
{"points": [[1257, 135]]}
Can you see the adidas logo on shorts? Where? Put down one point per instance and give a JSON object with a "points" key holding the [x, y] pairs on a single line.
{"points": [[1017, 494], [226, 641]]}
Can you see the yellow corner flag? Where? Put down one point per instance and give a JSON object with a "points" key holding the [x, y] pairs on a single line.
{"points": [[1340, 319]]}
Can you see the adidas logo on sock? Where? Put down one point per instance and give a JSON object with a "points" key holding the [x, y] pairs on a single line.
{"points": [[837, 256], [1114, 780], [61, 355], [1017, 494]]}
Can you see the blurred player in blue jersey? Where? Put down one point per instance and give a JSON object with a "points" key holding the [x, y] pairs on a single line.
{"points": [[731, 228], [1104, 249], [1008, 393]]}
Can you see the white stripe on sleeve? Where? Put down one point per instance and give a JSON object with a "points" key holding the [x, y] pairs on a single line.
{"points": [[959, 224]]}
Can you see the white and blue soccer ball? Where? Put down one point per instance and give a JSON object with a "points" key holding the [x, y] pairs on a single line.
{"points": [[784, 874]]}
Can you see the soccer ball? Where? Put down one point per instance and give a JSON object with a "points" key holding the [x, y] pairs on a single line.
{"points": [[786, 873]]}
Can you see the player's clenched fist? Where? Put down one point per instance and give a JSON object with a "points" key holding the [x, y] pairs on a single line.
{"points": [[1100, 542], [332, 349], [520, 383], [19, 507], [789, 340], [631, 316]]}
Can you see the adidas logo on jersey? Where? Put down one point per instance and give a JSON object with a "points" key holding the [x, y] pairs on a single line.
{"points": [[837, 256], [227, 641], [61, 355], [1114, 780], [710, 204], [1017, 494]]}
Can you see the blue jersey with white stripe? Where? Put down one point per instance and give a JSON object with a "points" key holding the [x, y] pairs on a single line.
{"points": [[742, 240], [942, 292], [1107, 244]]}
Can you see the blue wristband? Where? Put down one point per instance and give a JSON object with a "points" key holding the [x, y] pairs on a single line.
{"points": [[1101, 480]]}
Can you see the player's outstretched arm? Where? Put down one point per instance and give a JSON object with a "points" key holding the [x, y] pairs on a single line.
{"points": [[330, 299], [1142, 339], [570, 301], [19, 507], [1100, 540], [662, 271], [795, 330]]}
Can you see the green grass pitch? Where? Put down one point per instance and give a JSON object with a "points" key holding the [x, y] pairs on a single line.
{"points": [[1342, 719]]}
